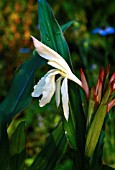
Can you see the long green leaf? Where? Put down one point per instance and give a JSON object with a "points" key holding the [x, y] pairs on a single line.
{"points": [[17, 148], [53, 151], [18, 140], [17, 161], [78, 119], [18, 98], [19, 95], [96, 160], [67, 25], [109, 140], [51, 33], [95, 130]]}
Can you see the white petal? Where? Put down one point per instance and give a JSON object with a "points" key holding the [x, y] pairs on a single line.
{"points": [[39, 87], [72, 77], [55, 60], [58, 88], [48, 89], [58, 66], [49, 54], [65, 98]]}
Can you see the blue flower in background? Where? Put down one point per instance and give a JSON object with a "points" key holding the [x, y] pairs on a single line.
{"points": [[104, 31], [24, 50]]}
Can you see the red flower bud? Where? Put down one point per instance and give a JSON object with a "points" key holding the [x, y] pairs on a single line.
{"points": [[84, 83]]}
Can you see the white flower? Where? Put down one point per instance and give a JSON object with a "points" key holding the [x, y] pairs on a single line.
{"points": [[47, 85]]}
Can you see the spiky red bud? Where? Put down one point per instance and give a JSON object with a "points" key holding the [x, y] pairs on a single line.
{"points": [[110, 105], [84, 83]]}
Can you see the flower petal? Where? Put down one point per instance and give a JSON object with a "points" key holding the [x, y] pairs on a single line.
{"points": [[75, 79], [58, 87], [58, 66], [39, 87], [48, 89], [65, 98], [50, 54]]}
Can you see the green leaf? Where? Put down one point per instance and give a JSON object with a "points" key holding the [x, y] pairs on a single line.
{"points": [[52, 152], [109, 140], [50, 31], [96, 159], [78, 121], [17, 161], [18, 98], [18, 140], [67, 25], [17, 148], [95, 130], [19, 95]]}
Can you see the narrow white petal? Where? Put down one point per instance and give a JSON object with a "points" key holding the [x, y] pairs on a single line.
{"points": [[49, 54], [65, 98], [48, 89], [38, 87], [58, 66], [58, 88], [75, 79]]}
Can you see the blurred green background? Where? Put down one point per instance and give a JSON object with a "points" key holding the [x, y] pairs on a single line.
{"points": [[19, 20]]}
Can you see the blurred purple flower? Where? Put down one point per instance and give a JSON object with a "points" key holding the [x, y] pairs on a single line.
{"points": [[104, 31], [24, 50]]}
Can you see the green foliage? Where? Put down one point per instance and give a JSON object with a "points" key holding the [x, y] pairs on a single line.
{"points": [[53, 151], [17, 148], [109, 141], [21, 87]]}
